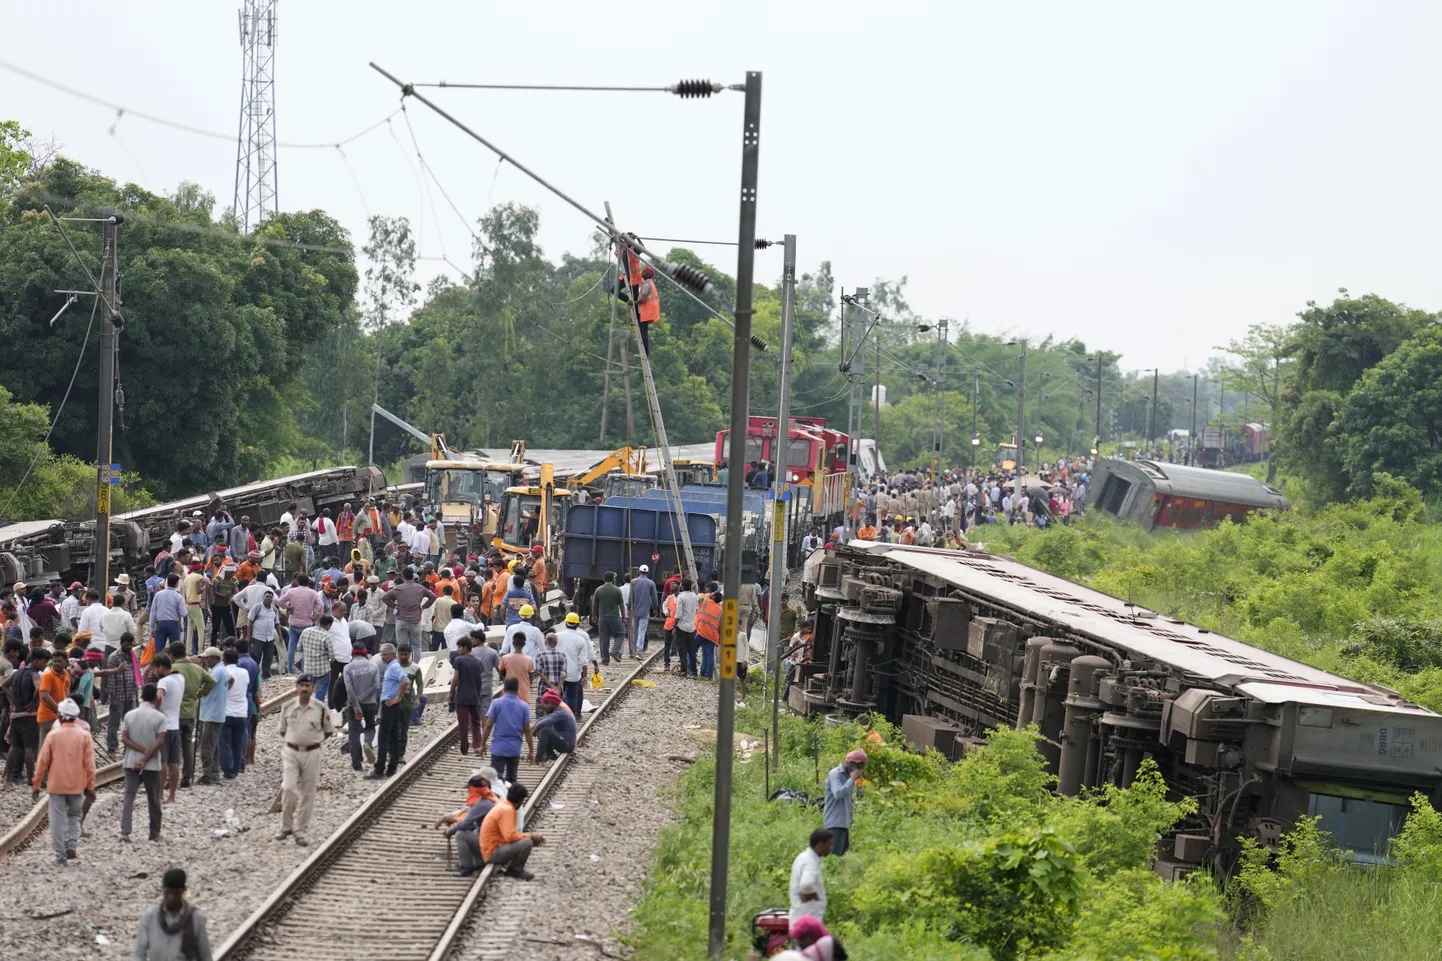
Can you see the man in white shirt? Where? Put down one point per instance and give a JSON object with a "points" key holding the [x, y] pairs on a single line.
{"points": [[340, 645], [808, 887], [325, 529], [182, 530], [89, 619], [113, 623], [170, 685], [406, 529], [576, 645], [70, 606]]}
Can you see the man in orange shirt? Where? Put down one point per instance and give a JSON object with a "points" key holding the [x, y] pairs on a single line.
{"points": [[54, 688], [68, 757], [538, 572], [501, 844]]}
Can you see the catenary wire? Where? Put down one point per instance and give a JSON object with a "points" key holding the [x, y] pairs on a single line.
{"points": [[121, 109], [44, 441]]}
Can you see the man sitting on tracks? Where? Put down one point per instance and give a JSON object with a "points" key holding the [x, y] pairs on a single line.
{"points": [[556, 729], [501, 844], [465, 825]]}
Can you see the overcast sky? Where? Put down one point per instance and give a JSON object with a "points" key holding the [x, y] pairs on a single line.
{"points": [[1150, 178]]}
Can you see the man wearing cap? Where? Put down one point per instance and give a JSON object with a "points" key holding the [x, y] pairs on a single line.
{"points": [[123, 596], [71, 605], [555, 729], [304, 726], [212, 714], [173, 929], [539, 573], [576, 645], [465, 826], [68, 757], [533, 641], [645, 601], [841, 798]]}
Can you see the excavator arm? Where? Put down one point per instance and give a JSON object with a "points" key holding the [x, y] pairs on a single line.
{"points": [[439, 450], [628, 460]]}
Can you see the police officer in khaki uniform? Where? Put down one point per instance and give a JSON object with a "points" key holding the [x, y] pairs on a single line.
{"points": [[305, 725]]}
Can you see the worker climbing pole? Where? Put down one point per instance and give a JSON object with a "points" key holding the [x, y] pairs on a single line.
{"points": [[639, 278]]}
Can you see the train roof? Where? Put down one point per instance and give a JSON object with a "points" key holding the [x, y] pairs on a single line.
{"points": [[1182, 481], [1193, 650]]}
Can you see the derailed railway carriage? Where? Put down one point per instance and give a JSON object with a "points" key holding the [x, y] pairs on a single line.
{"points": [[948, 644]]}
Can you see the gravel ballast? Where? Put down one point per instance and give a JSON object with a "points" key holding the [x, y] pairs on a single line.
{"points": [[625, 770], [107, 887]]}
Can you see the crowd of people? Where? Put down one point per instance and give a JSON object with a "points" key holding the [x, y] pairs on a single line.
{"points": [[908, 507]]}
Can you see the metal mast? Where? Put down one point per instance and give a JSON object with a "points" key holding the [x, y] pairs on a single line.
{"points": [[255, 173]]}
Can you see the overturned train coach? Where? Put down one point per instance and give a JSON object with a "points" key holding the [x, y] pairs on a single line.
{"points": [[38, 552], [948, 644]]}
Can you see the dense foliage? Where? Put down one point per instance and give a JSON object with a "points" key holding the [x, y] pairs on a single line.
{"points": [[974, 860], [252, 356]]}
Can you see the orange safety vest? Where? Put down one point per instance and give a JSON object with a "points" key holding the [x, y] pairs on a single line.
{"points": [[633, 268], [669, 606], [648, 299], [708, 621]]}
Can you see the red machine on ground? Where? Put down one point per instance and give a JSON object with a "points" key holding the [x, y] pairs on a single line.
{"points": [[815, 463]]}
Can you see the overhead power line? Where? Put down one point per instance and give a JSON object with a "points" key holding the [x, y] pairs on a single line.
{"points": [[125, 111]]}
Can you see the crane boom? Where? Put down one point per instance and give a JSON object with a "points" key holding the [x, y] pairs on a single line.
{"points": [[439, 450]]}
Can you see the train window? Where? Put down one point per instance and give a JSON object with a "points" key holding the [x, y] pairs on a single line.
{"points": [[1114, 494], [1363, 827], [798, 452]]}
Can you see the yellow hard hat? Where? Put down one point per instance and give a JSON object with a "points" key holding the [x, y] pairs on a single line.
{"points": [[512, 566], [573, 618], [527, 610]]}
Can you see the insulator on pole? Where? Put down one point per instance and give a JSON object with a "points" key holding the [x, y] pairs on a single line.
{"points": [[689, 277], [763, 244], [688, 89], [760, 344]]}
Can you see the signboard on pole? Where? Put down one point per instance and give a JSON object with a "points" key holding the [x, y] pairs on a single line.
{"points": [[728, 639], [102, 498]]}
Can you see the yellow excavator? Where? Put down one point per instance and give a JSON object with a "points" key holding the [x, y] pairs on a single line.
{"points": [[465, 491], [622, 473], [531, 515]]}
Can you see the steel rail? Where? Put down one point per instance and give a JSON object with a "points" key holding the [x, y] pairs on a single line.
{"points": [[25, 830], [532, 806], [251, 934]]}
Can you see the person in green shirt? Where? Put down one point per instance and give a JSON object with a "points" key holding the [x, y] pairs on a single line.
{"points": [[198, 683], [413, 697], [294, 556], [82, 683], [606, 602]]}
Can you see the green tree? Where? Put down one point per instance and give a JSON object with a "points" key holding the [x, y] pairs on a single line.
{"points": [[1264, 362], [1391, 422]]}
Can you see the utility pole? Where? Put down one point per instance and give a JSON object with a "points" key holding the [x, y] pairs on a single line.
{"points": [[626, 381], [1192, 438], [876, 433], [110, 328], [857, 377], [610, 347], [736, 480], [779, 540], [975, 403], [1020, 426], [1152, 430], [1097, 445], [937, 439]]}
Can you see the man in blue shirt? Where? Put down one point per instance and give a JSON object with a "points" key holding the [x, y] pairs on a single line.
{"points": [[509, 718], [212, 716], [645, 602], [167, 613], [394, 682], [516, 598], [556, 728]]}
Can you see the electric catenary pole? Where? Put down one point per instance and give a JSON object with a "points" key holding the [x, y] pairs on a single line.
{"points": [[255, 173]]}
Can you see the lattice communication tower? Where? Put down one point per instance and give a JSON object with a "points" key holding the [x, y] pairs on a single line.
{"points": [[255, 173]]}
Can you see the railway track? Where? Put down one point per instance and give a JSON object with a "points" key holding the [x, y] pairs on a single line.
{"points": [[108, 770], [324, 908]]}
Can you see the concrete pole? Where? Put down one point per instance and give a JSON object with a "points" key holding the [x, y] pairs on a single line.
{"points": [[779, 540], [110, 327]]}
